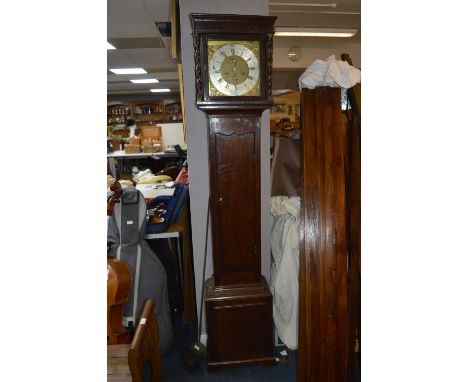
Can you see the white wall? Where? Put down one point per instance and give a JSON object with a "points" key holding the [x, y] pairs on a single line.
{"points": [[314, 49], [197, 139]]}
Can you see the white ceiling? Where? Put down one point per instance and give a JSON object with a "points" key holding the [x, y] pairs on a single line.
{"points": [[131, 23]]}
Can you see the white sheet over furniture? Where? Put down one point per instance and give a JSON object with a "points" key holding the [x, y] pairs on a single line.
{"points": [[284, 283]]}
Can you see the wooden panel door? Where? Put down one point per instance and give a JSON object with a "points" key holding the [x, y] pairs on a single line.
{"points": [[235, 199], [323, 291]]}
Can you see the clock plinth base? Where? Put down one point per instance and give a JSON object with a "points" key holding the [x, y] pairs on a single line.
{"points": [[239, 325]]}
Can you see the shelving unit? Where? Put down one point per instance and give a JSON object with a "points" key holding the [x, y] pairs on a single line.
{"points": [[144, 112], [148, 113], [118, 114], [173, 112]]}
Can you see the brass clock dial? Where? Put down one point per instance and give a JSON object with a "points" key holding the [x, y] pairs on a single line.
{"points": [[233, 68]]}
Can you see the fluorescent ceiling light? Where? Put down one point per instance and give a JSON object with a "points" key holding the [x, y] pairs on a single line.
{"points": [[162, 90], [128, 71], [110, 46], [145, 81], [315, 32]]}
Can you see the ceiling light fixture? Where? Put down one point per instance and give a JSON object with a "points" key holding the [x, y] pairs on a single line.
{"points": [[145, 81], [162, 90], [128, 71], [315, 32], [110, 46]]}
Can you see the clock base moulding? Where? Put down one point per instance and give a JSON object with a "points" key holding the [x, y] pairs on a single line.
{"points": [[239, 325]]}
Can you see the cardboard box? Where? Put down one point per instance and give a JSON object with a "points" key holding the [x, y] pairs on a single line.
{"points": [[150, 131], [116, 144], [134, 140], [149, 148], [132, 149]]}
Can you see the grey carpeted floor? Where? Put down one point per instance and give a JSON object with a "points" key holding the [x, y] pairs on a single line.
{"points": [[285, 371]]}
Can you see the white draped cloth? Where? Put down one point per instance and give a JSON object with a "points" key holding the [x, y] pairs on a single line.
{"points": [[284, 282], [330, 73]]}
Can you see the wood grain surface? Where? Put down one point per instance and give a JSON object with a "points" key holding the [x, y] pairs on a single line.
{"points": [[323, 258]]}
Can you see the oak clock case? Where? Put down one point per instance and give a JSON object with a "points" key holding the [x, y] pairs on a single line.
{"points": [[233, 57]]}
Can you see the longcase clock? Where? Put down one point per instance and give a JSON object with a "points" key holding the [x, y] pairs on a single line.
{"points": [[233, 61]]}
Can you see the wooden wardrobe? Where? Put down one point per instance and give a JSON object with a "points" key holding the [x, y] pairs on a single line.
{"points": [[329, 280]]}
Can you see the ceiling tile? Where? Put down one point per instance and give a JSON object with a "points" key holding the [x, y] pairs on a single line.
{"points": [[132, 30], [159, 10], [125, 11], [137, 43]]}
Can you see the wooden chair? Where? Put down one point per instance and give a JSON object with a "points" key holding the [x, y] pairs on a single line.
{"points": [[127, 362], [119, 281]]}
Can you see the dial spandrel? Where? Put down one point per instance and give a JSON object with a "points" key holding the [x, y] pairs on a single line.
{"points": [[233, 68]]}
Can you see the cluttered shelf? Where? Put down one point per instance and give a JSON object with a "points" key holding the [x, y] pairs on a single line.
{"points": [[284, 127], [129, 146], [162, 154], [285, 115], [144, 112], [173, 112], [165, 193], [120, 155], [149, 139]]}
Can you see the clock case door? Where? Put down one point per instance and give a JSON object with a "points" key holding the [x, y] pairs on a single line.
{"points": [[234, 143]]}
